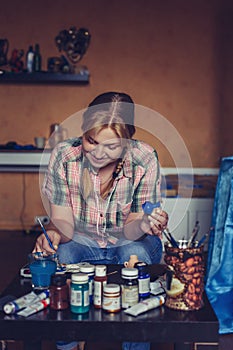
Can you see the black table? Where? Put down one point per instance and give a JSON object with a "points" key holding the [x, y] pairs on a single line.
{"points": [[162, 325]]}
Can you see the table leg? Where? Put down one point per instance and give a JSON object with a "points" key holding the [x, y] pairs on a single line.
{"points": [[183, 346], [32, 345]]}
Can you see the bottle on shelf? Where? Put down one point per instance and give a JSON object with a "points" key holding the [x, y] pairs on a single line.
{"points": [[29, 59], [37, 59]]}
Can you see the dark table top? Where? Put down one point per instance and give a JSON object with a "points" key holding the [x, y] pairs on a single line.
{"points": [[159, 325]]}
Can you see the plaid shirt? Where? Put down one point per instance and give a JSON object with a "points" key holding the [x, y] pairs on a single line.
{"points": [[103, 219]]}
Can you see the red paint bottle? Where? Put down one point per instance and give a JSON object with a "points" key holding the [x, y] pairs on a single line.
{"points": [[59, 293], [100, 280]]}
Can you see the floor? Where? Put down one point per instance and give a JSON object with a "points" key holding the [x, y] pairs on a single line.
{"points": [[14, 248]]}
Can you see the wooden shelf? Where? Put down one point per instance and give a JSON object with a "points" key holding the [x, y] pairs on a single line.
{"points": [[45, 78], [31, 160]]}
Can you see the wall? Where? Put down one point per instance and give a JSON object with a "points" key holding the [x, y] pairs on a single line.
{"points": [[225, 80], [166, 54]]}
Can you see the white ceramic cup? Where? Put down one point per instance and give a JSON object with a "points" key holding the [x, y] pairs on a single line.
{"points": [[40, 142]]}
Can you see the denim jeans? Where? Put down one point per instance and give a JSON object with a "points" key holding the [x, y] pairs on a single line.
{"points": [[82, 248]]}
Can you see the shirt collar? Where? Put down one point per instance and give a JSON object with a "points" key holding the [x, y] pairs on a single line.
{"points": [[127, 164]]}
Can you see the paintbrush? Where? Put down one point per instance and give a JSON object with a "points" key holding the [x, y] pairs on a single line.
{"points": [[46, 234], [50, 243], [203, 238], [170, 238], [194, 234]]}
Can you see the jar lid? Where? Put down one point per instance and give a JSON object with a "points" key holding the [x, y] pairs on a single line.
{"points": [[100, 270], [127, 272], [142, 267], [87, 268], [140, 264], [58, 280], [79, 277], [111, 288]]}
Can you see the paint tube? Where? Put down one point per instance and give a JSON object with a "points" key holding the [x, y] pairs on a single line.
{"points": [[34, 308], [158, 287], [25, 300], [145, 305]]}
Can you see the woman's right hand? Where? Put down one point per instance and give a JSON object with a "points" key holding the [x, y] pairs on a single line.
{"points": [[155, 223], [42, 244]]}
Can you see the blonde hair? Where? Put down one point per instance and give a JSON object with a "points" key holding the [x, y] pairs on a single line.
{"points": [[109, 110]]}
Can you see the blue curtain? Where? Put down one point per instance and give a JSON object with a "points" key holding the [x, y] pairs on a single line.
{"points": [[219, 276]]}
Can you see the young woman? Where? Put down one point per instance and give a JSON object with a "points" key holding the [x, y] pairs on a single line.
{"points": [[96, 186]]}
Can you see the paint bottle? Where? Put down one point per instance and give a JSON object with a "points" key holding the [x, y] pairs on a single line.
{"points": [[100, 280], [143, 280], [111, 298], [59, 293], [79, 300], [89, 269], [129, 288]]}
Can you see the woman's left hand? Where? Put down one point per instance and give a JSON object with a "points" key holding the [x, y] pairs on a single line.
{"points": [[155, 223]]}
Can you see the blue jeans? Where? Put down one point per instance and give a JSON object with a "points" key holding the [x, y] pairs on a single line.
{"points": [[82, 248]]}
